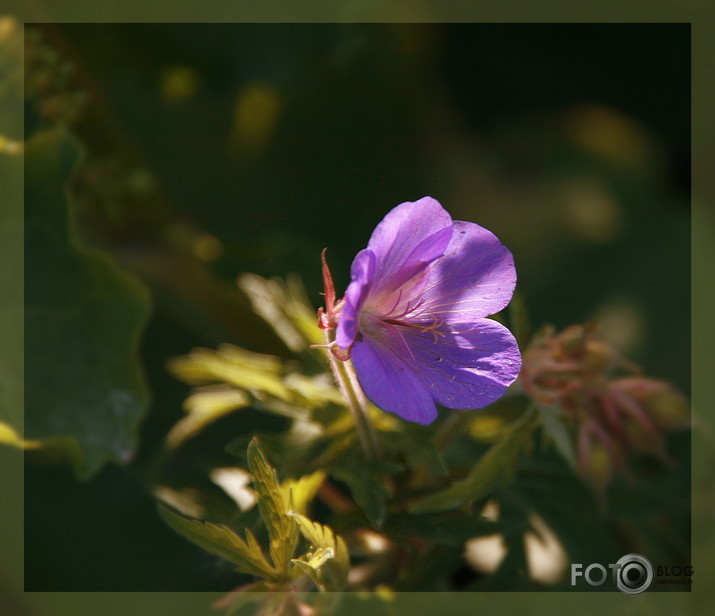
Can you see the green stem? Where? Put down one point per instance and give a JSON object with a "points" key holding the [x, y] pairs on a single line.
{"points": [[347, 382]]}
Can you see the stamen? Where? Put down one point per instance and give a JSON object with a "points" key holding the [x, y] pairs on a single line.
{"points": [[392, 331], [432, 327]]}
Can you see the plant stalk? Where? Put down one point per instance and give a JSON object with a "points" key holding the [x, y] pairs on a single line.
{"points": [[347, 382]]}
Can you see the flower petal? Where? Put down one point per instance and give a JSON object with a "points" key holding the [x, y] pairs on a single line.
{"points": [[390, 382], [362, 272], [402, 244], [475, 278], [465, 366]]}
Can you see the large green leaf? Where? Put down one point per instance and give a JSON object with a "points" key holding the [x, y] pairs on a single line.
{"points": [[366, 486], [446, 528], [82, 321], [500, 460]]}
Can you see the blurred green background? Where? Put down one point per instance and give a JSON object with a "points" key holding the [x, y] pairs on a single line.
{"points": [[220, 149]]}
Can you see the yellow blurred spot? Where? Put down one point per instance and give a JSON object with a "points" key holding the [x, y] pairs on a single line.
{"points": [[490, 425], [255, 115], [8, 146], [486, 427], [9, 436], [384, 592], [7, 28], [610, 133], [207, 247], [591, 212], [622, 324], [179, 83]]}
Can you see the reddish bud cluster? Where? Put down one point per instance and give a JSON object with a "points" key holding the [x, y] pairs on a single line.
{"points": [[613, 414]]}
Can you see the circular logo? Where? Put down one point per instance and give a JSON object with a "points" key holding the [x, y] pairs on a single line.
{"points": [[635, 574]]}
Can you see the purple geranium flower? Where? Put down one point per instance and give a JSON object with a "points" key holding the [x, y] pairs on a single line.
{"points": [[413, 317]]}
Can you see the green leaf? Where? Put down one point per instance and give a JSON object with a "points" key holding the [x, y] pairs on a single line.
{"points": [[551, 420], [285, 308], [299, 493], [312, 563], [519, 319], [11, 304], [83, 318], [366, 488], [445, 528], [224, 542], [334, 572], [418, 448], [205, 406], [260, 374], [282, 528], [500, 460]]}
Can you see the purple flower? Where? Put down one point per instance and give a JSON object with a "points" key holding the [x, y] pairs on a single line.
{"points": [[413, 316]]}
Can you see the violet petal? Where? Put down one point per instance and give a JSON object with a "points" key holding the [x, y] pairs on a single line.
{"points": [[465, 365], [362, 273], [475, 278], [402, 230], [390, 382]]}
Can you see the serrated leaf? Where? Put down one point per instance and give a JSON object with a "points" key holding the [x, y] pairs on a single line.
{"points": [[500, 460], [555, 430], [312, 564], [334, 572], [282, 528], [83, 317], [224, 542]]}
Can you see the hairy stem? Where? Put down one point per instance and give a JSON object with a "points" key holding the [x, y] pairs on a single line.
{"points": [[347, 382]]}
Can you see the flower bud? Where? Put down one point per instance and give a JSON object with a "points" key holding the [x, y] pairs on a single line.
{"points": [[573, 339], [598, 465], [668, 408], [598, 357], [642, 439]]}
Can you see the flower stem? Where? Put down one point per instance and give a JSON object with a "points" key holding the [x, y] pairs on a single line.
{"points": [[347, 382]]}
